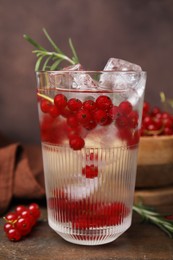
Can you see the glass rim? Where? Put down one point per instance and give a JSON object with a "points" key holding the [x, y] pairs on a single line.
{"points": [[89, 71]]}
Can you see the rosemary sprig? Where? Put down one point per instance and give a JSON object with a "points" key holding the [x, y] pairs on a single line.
{"points": [[152, 216], [50, 60], [167, 102]]}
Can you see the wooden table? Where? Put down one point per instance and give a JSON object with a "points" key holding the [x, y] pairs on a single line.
{"points": [[142, 241]]}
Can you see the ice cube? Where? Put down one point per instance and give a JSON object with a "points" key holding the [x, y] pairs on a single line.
{"points": [[84, 81], [124, 76], [59, 78], [121, 65], [83, 188]]}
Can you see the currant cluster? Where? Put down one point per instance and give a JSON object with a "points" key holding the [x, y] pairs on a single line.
{"points": [[20, 222], [84, 213], [156, 122], [82, 117]]}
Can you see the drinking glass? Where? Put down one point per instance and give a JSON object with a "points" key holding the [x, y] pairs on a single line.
{"points": [[90, 127]]}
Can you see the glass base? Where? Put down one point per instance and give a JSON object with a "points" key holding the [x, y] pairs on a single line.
{"points": [[92, 237], [87, 241]]}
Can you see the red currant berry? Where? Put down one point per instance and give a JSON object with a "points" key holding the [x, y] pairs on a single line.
{"points": [[14, 235], [45, 105], [74, 104], [108, 121], [7, 227], [165, 115], [134, 138], [66, 112], [151, 127], [11, 217], [90, 125], [122, 121], [75, 130], [34, 210], [23, 225], [25, 213], [53, 111], [125, 107], [147, 121], [158, 115], [114, 112], [91, 157], [155, 111], [76, 142], [72, 121], [89, 105], [100, 117], [60, 100], [168, 131], [90, 171], [83, 116], [19, 209], [146, 108], [167, 122], [104, 102], [133, 118], [158, 123]]}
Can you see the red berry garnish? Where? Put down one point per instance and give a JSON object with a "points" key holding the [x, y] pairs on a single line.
{"points": [[122, 121], [100, 117], [20, 222], [60, 101], [76, 142], [23, 225], [11, 217], [66, 112], [133, 119], [168, 131], [125, 107], [155, 111], [74, 104], [114, 112], [167, 122], [54, 111], [90, 171], [90, 125], [83, 116], [104, 102], [89, 105], [8, 226], [34, 210], [19, 209], [14, 235], [72, 121], [45, 105], [146, 108], [156, 122]]}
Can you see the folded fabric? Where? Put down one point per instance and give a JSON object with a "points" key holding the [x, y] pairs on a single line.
{"points": [[21, 173]]}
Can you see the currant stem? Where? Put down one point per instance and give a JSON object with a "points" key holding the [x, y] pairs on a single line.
{"points": [[46, 97]]}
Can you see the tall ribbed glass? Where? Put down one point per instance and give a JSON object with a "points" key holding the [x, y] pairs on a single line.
{"points": [[90, 134]]}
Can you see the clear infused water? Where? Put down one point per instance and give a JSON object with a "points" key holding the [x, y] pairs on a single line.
{"points": [[89, 205], [90, 160]]}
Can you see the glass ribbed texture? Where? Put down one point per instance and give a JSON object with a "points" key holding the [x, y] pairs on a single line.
{"points": [[93, 210]]}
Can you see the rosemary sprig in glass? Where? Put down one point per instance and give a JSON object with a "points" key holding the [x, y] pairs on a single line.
{"points": [[50, 60]]}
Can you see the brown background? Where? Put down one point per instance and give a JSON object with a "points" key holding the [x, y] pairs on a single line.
{"points": [[135, 30]]}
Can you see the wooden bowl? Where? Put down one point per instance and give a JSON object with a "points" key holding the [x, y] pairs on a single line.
{"points": [[155, 162], [154, 182]]}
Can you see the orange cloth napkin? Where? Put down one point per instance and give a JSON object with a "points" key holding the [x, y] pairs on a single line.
{"points": [[21, 173]]}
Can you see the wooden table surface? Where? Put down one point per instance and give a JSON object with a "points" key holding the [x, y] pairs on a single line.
{"points": [[140, 241]]}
